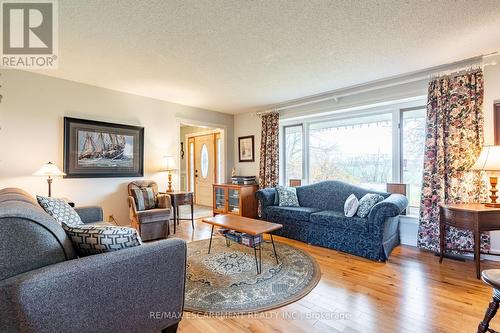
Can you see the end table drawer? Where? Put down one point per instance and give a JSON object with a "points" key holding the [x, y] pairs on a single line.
{"points": [[182, 199], [459, 219]]}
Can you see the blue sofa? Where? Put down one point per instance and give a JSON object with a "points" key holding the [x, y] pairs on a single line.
{"points": [[320, 219]]}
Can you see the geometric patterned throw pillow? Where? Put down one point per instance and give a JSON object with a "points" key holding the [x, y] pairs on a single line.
{"points": [[60, 210], [93, 239], [367, 202], [287, 196], [144, 198]]}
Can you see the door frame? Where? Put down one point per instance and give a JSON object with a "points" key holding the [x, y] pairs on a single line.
{"points": [[223, 129]]}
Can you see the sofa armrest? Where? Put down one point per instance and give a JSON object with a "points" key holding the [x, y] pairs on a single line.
{"points": [[111, 292], [266, 196], [392, 206], [164, 201], [90, 214]]}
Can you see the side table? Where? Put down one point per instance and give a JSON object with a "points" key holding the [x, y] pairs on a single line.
{"points": [[179, 199], [475, 217]]}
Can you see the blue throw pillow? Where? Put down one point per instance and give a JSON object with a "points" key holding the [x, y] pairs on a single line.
{"points": [[287, 196], [367, 202]]}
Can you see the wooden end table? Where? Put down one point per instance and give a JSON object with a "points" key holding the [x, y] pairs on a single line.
{"points": [[246, 225], [475, 217], [179, 199]]}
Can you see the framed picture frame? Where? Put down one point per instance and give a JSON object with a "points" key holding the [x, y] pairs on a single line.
{"points": [[246, 148], [96, 149]]}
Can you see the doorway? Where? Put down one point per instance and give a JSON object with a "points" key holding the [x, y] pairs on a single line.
{"points": [[204, 168], [203, 162]]}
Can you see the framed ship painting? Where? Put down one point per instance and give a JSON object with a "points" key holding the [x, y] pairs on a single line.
{"points": [[94, 149]]}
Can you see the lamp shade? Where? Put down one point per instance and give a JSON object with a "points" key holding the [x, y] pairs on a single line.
{"points": [[49, 169], [168, 163], [489, 159]]}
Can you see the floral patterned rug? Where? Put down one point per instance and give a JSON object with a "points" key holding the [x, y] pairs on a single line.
{"points": [[226, 282]]}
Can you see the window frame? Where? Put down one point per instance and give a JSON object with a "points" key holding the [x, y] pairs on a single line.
{"points": [[284, 150], [401, 146], [396, 112]]}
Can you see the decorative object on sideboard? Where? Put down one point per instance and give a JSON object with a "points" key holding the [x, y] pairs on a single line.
{"points": [[246, 148], [49, 170], [94, 149], [489, 160], [243, 180], [169, 166], [182, 150]]}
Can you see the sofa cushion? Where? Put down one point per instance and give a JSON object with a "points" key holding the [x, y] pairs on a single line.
{"points": [[351, 206], [94, 239], [144, 198], [287, 196], [330, 194], [60, 210], [297, 213], [335, 219], [367, 202], [154, 215]]}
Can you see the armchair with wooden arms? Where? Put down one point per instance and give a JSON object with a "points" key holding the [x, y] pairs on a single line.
{"points": [[151, 223]]}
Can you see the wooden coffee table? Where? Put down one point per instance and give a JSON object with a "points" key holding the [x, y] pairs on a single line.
{"points": [[246, 225]]}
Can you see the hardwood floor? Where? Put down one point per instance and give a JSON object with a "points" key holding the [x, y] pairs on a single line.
{"points": [[412, 292]]}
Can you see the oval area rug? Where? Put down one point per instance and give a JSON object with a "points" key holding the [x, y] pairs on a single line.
{"points": [[226, 282]]}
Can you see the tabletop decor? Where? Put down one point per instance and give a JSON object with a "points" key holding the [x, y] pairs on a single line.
{"points": [[169, 166], [94, 149], [489, 160], [49, 170]]}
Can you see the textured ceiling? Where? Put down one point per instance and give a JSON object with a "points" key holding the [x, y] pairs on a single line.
{"points": [[235, 56]]}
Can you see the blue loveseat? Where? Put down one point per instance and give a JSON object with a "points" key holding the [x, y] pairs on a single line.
{"points": [[320, 219]]}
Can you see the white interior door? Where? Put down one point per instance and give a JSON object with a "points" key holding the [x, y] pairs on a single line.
{"points": [[204, 171]]}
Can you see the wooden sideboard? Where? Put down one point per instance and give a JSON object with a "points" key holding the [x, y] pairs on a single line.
{"points": [[235, 199]]}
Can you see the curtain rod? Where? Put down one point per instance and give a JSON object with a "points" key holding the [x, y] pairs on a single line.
{"points": [[260, 113], [423, 74]]}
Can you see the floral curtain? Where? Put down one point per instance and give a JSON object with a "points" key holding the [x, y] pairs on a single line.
{"points": [[269, 150], [454, 138]]}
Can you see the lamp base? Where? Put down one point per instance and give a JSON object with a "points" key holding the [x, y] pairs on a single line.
{"points": [[492, 205], [170, 189]]}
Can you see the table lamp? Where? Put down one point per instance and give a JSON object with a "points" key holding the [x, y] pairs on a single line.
{"points": [[489, 160], [169, 166], [49, 170]]}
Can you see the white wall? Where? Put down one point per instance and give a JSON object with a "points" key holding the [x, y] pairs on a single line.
{"points": [[247, 124], [491, 95], [31, 120]]}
